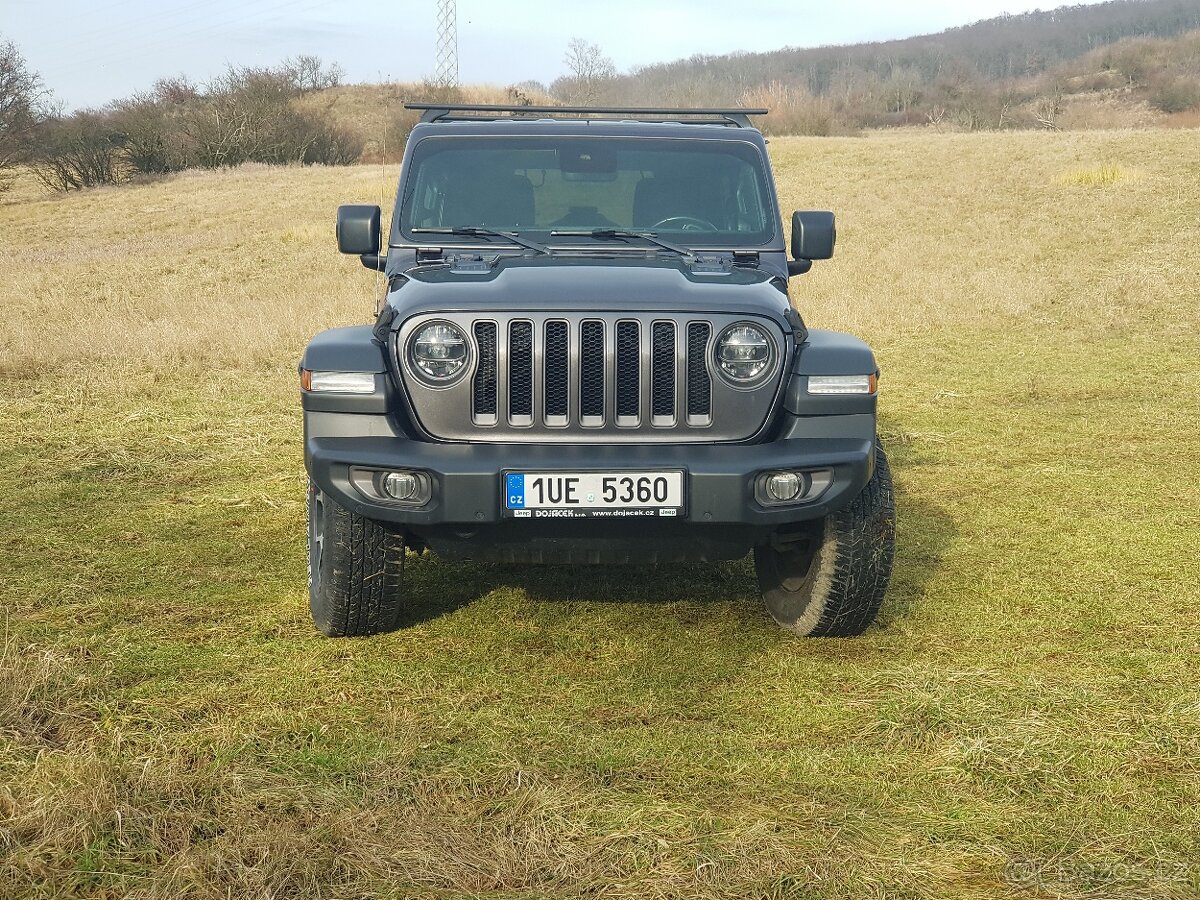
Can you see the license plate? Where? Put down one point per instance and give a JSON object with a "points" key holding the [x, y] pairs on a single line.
{"points": [[570, 495]]}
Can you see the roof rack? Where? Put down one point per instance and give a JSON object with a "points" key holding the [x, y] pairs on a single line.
{"points": [[738, 117]]}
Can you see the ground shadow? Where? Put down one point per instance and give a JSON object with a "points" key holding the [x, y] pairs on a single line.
{"points": [[924, 530], [449, 585]]}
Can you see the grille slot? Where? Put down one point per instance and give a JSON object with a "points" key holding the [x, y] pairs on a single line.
{"points": [[629, 357], [591, 372], [520, 373], [699, 383], [483, 401], [556, 373], [662, 374]]}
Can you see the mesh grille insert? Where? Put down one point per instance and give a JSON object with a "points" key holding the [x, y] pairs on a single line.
{"points": [[628, 374], [662, 358], [591, 369], [520, 369], [699, 386], [484, 401], [556, 367]]}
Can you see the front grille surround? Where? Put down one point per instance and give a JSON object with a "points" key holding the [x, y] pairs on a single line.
{"points": [[559, 377]]}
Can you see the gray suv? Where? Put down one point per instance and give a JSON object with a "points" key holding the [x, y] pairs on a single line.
{"points": [[586, 356]]}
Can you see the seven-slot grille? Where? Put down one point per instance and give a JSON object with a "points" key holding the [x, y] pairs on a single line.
{"points": [[608, 377], [590, 372]]}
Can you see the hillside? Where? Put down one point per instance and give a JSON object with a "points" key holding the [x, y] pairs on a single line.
{"points": [[1011, 71], [1128, 63], [1004, 48]]}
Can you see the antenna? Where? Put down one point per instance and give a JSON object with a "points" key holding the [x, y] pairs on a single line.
{"points": [[447, 45]]}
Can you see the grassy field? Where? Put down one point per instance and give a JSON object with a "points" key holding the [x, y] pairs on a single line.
{"points": [[1023, 722]]}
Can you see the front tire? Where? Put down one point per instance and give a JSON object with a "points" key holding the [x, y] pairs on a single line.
{"points": [[829, 581], [355, 570]]}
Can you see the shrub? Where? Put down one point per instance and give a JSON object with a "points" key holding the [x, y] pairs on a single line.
{"points": [[146, 129], [245, 115], [793, 110], [77, 151], [1174, 95]]}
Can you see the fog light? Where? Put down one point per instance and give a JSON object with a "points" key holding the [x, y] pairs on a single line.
{"points": [[410, 487], [401, 485], [784, 486]]}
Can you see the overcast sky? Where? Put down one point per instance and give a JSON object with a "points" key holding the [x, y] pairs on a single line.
{"points": [[91, 52]]}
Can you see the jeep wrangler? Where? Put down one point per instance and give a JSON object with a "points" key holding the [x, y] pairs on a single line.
{"points": [[586, 355]]}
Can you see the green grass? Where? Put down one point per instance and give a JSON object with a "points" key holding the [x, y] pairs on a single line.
{"points": [[1024, 721]]}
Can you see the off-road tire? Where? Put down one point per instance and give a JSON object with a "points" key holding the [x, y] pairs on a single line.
{"points": [[830, 580], [355, 570]]}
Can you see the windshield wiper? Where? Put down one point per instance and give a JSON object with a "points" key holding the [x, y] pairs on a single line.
{"points": [[472, 231], [618, 234]]}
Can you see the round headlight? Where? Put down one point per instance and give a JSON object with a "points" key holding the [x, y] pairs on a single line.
{"points": [[744, 353], [439, 351]]}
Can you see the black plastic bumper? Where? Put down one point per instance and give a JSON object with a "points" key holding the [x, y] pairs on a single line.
{"points": [[468, 487]]}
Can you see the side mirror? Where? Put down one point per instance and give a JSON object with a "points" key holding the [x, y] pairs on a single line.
{"points": [[358, 229], [813, 237]]}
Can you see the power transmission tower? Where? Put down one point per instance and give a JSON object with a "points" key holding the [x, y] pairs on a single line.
{"points": [[447, 45]]}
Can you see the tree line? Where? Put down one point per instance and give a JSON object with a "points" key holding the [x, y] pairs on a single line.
{"points": [[1013, 71]]}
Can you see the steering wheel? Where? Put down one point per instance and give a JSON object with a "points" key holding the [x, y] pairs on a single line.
{"points": [[685, 223]]}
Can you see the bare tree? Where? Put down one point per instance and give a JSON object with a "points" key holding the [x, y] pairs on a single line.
{"points": [[589, 71], [310, 74], [587, 62], [21, 98], [1048, 108], [175, 91]]}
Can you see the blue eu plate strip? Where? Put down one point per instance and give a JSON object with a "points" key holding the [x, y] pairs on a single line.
{"points": [[514, 486]]}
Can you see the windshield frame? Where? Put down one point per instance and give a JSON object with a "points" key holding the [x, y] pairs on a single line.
{"points": [[400, 237]]}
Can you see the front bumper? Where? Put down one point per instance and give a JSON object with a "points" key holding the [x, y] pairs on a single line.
{"points": [[468, 484]]}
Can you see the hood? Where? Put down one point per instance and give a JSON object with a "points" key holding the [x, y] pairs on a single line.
{"points": [[573, 283]]}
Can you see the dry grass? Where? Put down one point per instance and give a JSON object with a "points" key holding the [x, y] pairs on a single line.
{"points": [[231, 269], [1114, 108], [1024, 721], [1189, 118]]}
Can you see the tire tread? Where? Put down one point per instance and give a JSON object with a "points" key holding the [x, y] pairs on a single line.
{"points": [[848, 589], [360, 590]]}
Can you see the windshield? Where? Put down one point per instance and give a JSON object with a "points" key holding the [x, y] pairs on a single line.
{"points": [[699, 193]]}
